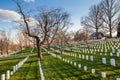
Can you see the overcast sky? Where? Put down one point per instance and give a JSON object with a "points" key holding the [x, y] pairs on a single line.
{"points": [[76, 9]]}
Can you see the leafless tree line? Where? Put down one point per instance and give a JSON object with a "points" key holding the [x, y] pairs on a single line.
{"points": [[103, 17], [5, 43], [10, 44]]}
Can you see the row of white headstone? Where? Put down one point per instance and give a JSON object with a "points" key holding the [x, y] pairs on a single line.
{"points": [[111, 54], [73, 63], [5, 54], [40, 70], [104, 47], [15, 52], [15, 68], [54, 55], [112, 61], [82, 56], [103, 74]]}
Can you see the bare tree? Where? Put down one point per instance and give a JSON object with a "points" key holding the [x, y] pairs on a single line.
{"points": [[80, 36], [110, 8], [1, 41], [94, 19], [20, 40], [4, 42], [62, 38], [58, 20], [46, 19]]}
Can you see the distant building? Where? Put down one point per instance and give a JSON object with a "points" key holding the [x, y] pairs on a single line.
{"points": [[94, 36]]}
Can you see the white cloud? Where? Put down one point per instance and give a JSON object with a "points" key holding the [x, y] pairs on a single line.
{"points": [[29, 0], [9, 16]]}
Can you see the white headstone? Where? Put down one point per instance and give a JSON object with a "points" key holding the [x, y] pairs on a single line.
{"points": [[86, 57], [75, 64], [118, 54], [79, 65], [111, 54], [11, 73], [106, 50], [7, 74], [113, 50], [112, 62], [103, 75], [93, 71], [71, 62], [63, 59], [14, 69], [85, 68], [3, 77], [104, 60], [68, 61], [119, 50], [75, 55], [16, 66], [91, 58], [82, 56]]}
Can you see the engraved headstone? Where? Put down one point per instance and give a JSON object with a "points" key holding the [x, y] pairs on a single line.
{"points": [[3, 77], [103, 75], [85, 68], [104, 60], [91, 58], [112, 62], [93, 71]]}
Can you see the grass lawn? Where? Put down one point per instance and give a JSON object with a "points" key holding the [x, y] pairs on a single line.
{"points": [[29, 71], [55, 69], [7, 64]]}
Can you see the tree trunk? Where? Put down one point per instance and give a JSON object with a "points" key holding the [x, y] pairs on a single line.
{"points": [[38, 49], [21, 48], [110, 28], [110, 32], [118, 30], [7, 49], [97, 33], [1, 48], [62, 46]]}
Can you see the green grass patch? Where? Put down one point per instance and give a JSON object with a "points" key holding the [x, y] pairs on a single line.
{"points": [[8, 64], [29, 71]]}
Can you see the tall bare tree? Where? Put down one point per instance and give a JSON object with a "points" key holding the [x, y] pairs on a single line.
{"points": [[94, 19], [20, 40], [1, 41], [46, 19], [57, 20], [110, 8], [80, 36], [4, 41], [62, 38]]}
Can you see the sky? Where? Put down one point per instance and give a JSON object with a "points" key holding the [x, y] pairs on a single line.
{"points": [[76, 9]]}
